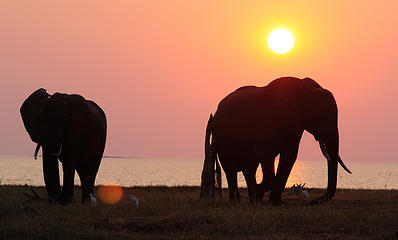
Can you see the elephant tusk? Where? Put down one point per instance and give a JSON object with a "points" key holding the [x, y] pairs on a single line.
{"points": [[36, 151], [325, 153], [343, 165], [60, 150]]}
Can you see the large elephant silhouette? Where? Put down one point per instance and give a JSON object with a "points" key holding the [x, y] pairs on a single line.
{"points": [[253, 125], [70, 129]]}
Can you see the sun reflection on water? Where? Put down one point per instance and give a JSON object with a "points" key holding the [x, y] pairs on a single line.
{"points": [[296, 177], [130, 172]]}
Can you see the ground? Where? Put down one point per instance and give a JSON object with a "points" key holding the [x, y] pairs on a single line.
{"points": [[175, 213]]}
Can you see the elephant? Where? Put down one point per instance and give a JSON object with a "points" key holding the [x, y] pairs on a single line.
{"points": [[70, 129], [253, 125]]}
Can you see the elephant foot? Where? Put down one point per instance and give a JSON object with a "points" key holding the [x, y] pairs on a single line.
{"points": [[276, 202], [54, 199], [258, 200], [260, 191], [259, 197], [252, 198], [234, 197], [67, 200], [90, 200]]}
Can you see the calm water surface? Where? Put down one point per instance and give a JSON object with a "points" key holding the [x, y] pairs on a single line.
{"points": [[178, 171]]}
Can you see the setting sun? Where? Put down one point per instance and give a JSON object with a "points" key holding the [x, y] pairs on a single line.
{"points": [[280, 41]]}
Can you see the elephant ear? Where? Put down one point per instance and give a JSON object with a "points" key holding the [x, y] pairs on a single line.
{"points": [[319, 107], [318, 99], [30, 112]]}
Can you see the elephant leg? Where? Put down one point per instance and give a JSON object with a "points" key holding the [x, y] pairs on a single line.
{"points": [[250, 177], [69, 180], [268, 169], [286, 162], [232, 179], [87, 186], [87, 180], [51, 175]]}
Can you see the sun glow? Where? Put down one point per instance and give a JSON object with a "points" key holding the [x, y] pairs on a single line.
{"points": [[280, 41]]}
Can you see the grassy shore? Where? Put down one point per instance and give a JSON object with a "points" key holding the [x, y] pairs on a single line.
{"points": [[175, 213]]}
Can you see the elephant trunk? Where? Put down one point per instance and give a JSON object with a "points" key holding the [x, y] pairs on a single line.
{"points": [[330, 150], [332, 177], [51, 175]]}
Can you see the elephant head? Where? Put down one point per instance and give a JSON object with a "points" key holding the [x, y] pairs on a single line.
{"points": [[321, 121], [44, 118]]}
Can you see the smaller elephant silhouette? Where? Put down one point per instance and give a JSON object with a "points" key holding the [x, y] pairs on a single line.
{"points": [[70, 129]]}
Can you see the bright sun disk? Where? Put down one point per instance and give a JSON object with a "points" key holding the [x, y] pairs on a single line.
{"points": [[280, 41]]}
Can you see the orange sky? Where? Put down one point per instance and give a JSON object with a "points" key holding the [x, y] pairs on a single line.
{"points": [[158, 68]]}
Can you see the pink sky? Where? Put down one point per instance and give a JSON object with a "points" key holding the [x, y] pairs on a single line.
{"points": [[158, 68]]}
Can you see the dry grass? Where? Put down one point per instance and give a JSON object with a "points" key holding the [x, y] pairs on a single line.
{"points": [[174, 213]]}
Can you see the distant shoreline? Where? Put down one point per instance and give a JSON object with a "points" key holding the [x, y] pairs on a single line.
{"points": [[117, 157]]}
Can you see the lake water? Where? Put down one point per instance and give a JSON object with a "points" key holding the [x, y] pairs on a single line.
{"points": [[179, 171]]}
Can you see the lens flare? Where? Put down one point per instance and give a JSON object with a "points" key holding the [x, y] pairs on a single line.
{"points": [[110, 194]]}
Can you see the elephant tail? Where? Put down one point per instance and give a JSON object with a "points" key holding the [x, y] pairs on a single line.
{"points": [[211, 174], [213, 154], [218, 178], [213, 150]]}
